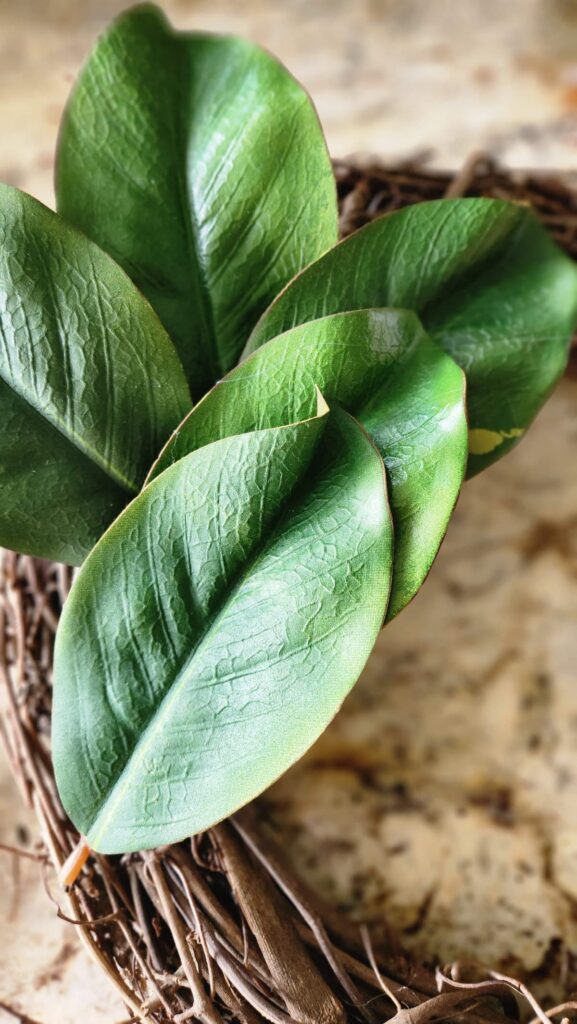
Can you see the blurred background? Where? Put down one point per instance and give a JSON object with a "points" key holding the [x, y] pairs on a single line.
{"points": [[400, 78], [442, 801]]}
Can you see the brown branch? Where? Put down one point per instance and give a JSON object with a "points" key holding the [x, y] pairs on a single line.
{"points": [[202, 1005], [244, 822], [305, 992]]}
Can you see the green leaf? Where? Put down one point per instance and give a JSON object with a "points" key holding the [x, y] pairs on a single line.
{"points": [[90, 385], [489, 285], [198, 162], [404, 390], [196, 662]]}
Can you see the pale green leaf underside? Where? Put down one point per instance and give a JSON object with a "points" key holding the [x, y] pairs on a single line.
{"points": [[198, 162], [489, 285], [406, 392], [90, 384], [195, 663]]}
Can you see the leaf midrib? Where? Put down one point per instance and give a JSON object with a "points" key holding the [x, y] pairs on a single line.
{"points": [[179, 129]]}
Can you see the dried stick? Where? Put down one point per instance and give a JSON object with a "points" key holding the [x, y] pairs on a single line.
{"points": [[202, 1007], [244, 822], [305, 992]]}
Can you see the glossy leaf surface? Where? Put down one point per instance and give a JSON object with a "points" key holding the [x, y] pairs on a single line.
{"points": [[407, 393], [90, 385], [196, 662], [489, 285], [198, 163]]}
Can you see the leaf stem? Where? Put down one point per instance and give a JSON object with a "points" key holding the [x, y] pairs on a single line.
{"points": [[74, 863]]}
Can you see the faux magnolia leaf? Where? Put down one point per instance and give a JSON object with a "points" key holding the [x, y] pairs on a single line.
{"points": [[90, 384], [382, 367], [490, 286], [196, 662], [198, 162]]}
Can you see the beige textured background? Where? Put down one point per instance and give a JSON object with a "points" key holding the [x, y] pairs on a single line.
{"points": [[443, 798]]}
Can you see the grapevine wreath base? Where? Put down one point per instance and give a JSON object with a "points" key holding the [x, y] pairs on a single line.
{"points": [[218, 928]]}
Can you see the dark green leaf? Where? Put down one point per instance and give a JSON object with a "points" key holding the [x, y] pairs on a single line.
{"points": [[382, 367], [90, 384], [194, 663], [198, 162], [490, 286]]}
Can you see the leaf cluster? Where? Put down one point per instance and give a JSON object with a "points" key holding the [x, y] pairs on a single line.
{"points": [[251, 436]]}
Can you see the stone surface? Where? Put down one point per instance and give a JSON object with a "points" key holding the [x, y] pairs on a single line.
{"points": [[442, 799]]}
